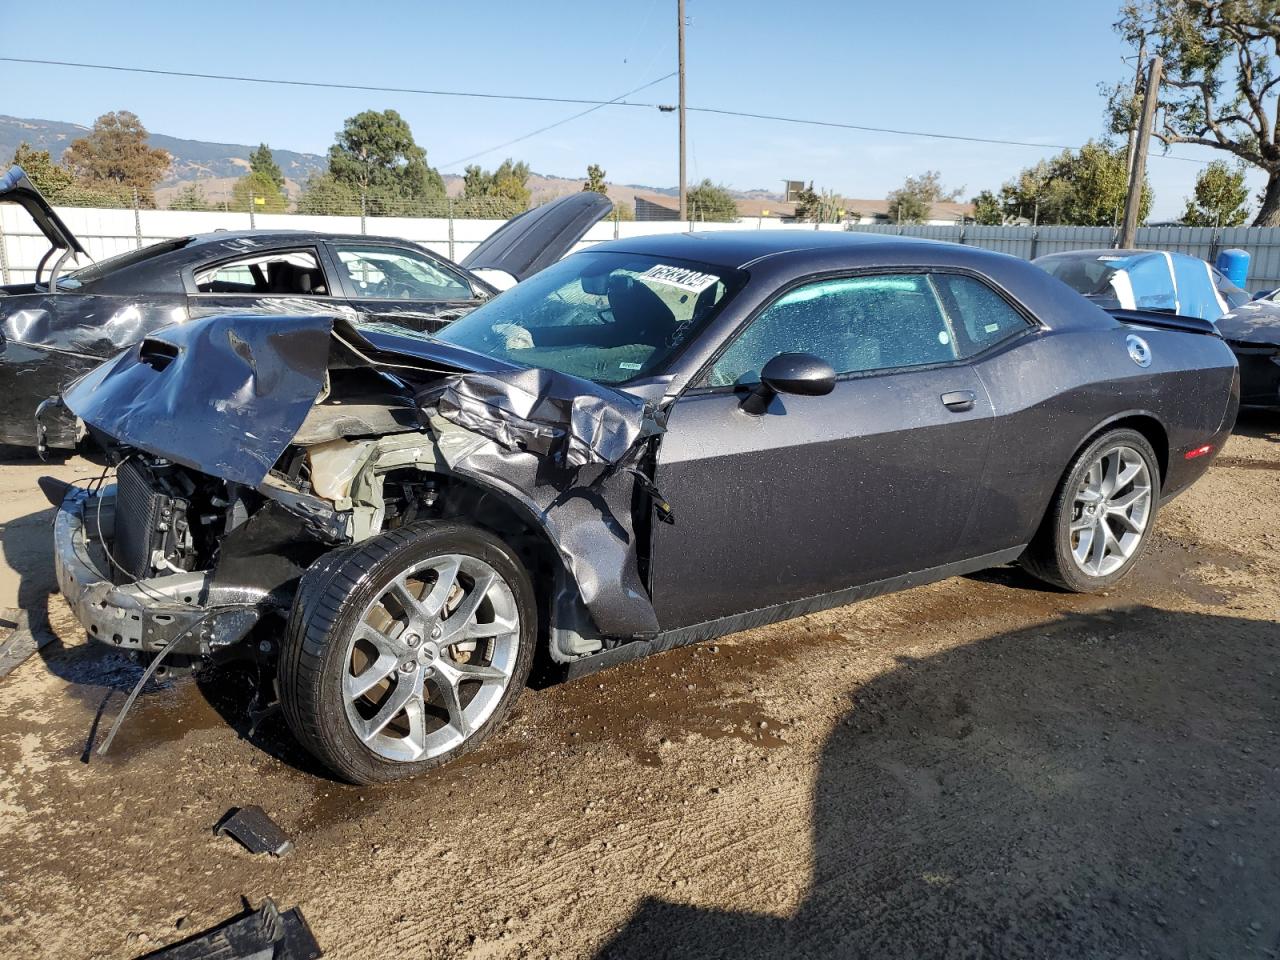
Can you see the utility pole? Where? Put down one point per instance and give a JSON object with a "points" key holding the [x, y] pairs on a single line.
{"points": [[1133, 202], [684, 193], [1137, 89]]}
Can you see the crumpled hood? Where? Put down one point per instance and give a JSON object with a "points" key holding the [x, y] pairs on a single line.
{"points": [[1257, 322], [223, 395], [226, 395]]}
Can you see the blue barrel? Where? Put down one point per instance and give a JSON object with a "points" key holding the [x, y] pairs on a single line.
{"points": [[1235, 264]]}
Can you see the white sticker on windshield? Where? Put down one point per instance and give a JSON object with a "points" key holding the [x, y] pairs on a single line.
{"points": [[679, 277], [628, 366]]}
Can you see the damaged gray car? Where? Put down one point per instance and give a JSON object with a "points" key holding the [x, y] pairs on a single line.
{"points": [[649, 443]]}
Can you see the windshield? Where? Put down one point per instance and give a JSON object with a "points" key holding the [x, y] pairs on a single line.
{"points": [[1087, 275], [607, 317]]}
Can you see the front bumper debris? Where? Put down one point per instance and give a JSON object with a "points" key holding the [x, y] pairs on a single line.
{"points": [[143, 616]]}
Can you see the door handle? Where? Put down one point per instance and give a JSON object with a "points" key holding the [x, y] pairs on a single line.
{"points": [[959, 400]]}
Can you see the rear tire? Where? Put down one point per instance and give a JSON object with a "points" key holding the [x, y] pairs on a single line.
{"points": [[407, 650], [1101, 516]]}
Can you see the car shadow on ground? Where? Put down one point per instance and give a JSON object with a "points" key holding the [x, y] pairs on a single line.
{"points": [[1101, 785]]}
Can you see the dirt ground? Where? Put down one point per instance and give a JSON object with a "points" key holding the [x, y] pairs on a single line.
{"points": [[981, 767]]}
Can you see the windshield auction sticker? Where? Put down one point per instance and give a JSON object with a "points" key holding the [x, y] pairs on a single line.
{"points": [[690, 280]]}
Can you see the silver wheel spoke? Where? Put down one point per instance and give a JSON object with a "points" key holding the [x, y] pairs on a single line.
{"points": [[372, 675], [384, 643], [446, 682], [475, 671], [407, 688], [499, 627], [446, 579], [457, 622], [1110, 474]]}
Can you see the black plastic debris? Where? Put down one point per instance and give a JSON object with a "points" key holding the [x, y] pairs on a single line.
{"points": [[255, 831], [262, 934]]}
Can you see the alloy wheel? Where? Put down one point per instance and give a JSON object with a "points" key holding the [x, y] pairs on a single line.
{"points": [[1110, 511], [430, 657]]}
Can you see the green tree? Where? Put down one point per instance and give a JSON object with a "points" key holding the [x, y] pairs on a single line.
{"points": [[324, 195], [261, 161], [260, 190], [376, 156], [505, 188], [622, 210], [1084, 188], [1220, 197], [913, 201], [1221, 80], [190, 197], [987, 209], [595, 179], [115, 153], [814, 206], [712, 203], [53, 181]]}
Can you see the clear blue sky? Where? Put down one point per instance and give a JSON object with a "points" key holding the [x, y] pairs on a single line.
{"points": [[1019, 70]]}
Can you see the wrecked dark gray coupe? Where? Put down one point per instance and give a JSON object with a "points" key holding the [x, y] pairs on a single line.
{"points": [[650, 443]]}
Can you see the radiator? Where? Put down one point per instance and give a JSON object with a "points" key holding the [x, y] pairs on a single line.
{"points": [[138, 513]]}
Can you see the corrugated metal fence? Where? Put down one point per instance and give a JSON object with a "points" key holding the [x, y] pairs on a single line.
{"points": [[1263, 243]]}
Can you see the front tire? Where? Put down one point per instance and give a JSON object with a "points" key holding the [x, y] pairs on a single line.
{"points": [[1101, 516], [407, 650]]}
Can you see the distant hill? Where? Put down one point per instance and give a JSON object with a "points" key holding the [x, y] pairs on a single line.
{"points": [[216, 166], [211, 163]]}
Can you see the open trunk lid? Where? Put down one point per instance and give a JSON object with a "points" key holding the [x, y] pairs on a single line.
{"points": [[539, 237], [16, 187]]}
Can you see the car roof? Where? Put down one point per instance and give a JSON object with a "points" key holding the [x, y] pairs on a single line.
{"points": [[741, 248], [285, 237]]}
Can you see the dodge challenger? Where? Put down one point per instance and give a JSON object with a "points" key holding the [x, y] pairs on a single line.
{"points": [[651, 442]]}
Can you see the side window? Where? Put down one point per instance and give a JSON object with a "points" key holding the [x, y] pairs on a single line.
{"points": [[279, 273], [856, 324], [393, 273], [980, 315]]}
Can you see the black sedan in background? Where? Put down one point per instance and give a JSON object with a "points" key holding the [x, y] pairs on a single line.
{"points": [[67, 321], [652, 442]]}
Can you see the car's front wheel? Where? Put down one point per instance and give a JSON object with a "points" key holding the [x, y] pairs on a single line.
{"points": [[1101, 516], [407, 650]]}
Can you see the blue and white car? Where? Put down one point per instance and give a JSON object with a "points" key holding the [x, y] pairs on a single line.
{"points": [[1188, 287]]}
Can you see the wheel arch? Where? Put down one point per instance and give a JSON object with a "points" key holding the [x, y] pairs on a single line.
{"points": [[1142, 421]]}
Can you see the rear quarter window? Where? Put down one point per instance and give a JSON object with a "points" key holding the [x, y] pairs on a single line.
{"points": [[980, 315]]}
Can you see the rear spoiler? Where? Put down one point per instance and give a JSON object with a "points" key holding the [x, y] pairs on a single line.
{"points": [[1164, 321]]}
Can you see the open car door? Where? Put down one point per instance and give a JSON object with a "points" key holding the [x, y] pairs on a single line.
{"points": [[536, 238], [16, 187]]}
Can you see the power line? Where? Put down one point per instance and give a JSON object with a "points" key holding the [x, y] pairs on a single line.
{"points": [[903, 133], [534, 133], [327, 85], [594, 104]]}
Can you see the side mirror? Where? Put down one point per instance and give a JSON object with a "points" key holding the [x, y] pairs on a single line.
{"points": [[1263, 294], [801, 374]]}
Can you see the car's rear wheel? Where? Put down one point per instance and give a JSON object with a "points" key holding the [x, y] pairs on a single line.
{"points": [[1101, 516], [407, 650]]}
